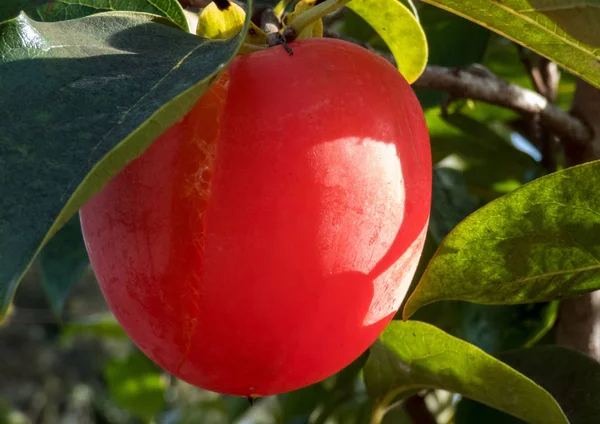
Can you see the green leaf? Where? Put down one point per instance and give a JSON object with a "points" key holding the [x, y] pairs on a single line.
{"points": [[535, 244], [490, 165], [451, 202], [63, 261], [491, 328], [412, 355], [80, 100], [571, 377], [563, 31], [400, 30], [137, 385], [297, 406], [103, 326], [453, 42], [62, 10]]}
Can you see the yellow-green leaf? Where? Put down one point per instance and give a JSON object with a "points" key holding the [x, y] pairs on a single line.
{"points": [[400, 30], [565, 31], [412, 356], [537, 243]]}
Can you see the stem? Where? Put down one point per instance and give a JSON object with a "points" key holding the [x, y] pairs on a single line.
{"points": [[382, 407], [378, 414], [305, 19]]}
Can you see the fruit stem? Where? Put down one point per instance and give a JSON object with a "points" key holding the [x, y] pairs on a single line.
{"points": [[303, 20]]}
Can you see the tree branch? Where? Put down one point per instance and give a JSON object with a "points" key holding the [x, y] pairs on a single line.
{"points": [[493, 90], [478, 83]]}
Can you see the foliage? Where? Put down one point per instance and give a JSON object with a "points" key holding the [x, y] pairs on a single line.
{"points": [[87, 87]]}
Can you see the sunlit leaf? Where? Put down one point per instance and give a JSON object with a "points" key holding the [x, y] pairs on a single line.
{"points": [[565, 31], [400, 30], [535, 244], [412, 356], [571, 377]]}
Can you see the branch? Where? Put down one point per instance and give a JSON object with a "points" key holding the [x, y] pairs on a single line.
{"points": [[478, 83], [493, 90]]}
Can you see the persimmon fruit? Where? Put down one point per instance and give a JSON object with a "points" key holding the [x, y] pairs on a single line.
{"points": [[262, 243]]}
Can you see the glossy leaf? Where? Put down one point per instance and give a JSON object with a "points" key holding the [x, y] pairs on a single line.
{"points": [[412, 355], [571, 377], [80, 99], [62, 262], [564, 31], [491, 328], [400, 30], [535, 244], [137, 385], [62, 10]]}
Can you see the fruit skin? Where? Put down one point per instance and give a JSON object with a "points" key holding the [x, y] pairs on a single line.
{"points": [[262, 248]]}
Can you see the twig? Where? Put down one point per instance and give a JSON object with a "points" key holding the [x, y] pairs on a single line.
{"points": [[545, 77], [477, 84], [493, 90], [533, 71]]}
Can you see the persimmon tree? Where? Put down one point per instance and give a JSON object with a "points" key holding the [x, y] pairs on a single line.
{"points": [[254, 182]]}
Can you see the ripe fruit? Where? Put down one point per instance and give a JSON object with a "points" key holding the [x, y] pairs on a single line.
{"points": [[263, 243]]}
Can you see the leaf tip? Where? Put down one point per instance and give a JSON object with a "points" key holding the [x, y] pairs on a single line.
{"points": [[5, 313], [413, 304]]}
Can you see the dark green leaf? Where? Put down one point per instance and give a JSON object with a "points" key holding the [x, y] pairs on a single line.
{"points": [[342, 390], [564, 31], [63, 261], [498, 328], [297, 406], [453, 41], [400, 30], [571, 377], [413, 355], [470, 412], [137, 385], [535, 244], [80, 99], [62, 10], [450, 204]]}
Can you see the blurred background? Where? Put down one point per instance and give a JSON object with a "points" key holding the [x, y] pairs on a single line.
{"points": [[64, 359]]}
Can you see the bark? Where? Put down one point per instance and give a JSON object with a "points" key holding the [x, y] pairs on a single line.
{"points": [[578, 324]]}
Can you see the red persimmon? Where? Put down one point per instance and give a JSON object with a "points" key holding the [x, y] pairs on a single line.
{"points": [[263, 243]]}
